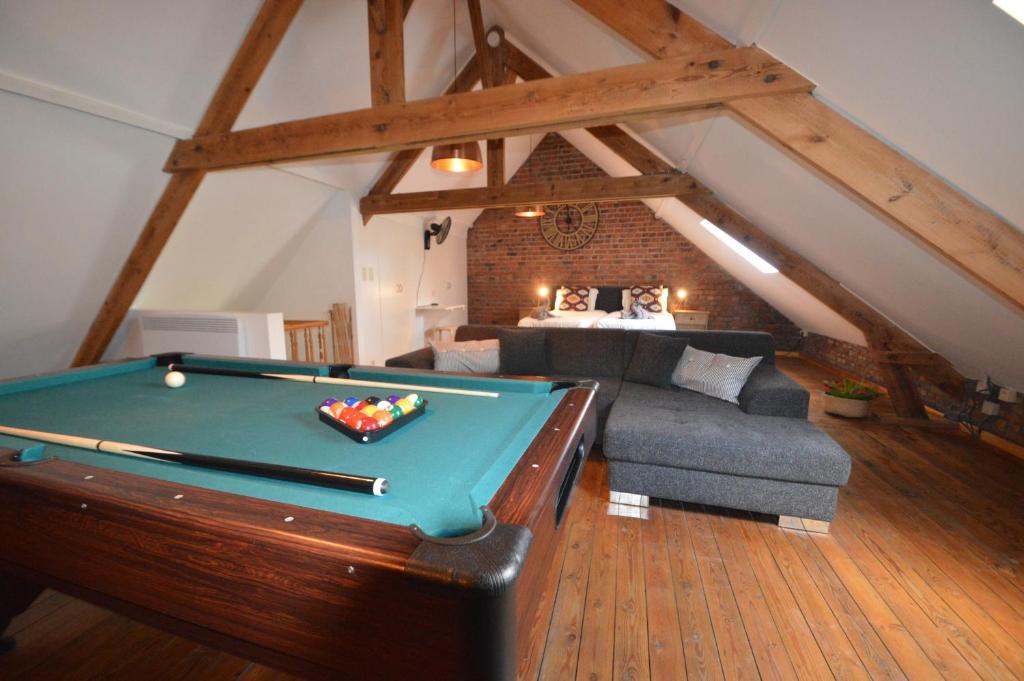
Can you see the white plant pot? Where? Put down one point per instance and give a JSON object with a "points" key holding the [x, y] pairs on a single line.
{"points": [[851, 409]]}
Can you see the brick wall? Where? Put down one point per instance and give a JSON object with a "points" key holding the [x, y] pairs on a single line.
{"points": [[508, 259], [857, 361]]}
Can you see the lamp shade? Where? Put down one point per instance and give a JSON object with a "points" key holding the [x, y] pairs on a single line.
{"points": [[533, 211], [457, 158]]}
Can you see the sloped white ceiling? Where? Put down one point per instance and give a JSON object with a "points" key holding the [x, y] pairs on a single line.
{"points": [[938, 79]]}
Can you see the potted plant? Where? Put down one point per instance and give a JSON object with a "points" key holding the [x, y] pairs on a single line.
{"points": [[848, 398]]}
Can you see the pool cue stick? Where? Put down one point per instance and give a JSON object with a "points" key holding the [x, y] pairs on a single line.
{"points": [[353, 483], [308, 378]]}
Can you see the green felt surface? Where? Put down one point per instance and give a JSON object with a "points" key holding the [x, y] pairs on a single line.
{"points": [[442, 467]]}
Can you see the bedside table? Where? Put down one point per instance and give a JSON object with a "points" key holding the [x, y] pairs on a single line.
{"points": [[691, 320]]}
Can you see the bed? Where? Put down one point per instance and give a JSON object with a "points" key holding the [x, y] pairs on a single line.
{"points": [[566, 319], [658, 320], [606, 315]]}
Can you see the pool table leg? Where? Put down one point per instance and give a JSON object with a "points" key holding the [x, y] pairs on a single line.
{"points": [[16, 595]]}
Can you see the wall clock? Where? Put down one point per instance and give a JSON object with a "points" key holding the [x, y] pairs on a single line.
{"points": [[569, 226]]}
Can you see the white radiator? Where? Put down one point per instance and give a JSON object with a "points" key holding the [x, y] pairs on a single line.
{"points": [[236, 334]]}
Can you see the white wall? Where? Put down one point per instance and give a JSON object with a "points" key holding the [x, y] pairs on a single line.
{"points": [[389, 257], [75, 190], [241, 227]]}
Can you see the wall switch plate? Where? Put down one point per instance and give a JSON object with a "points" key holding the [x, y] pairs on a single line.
{"points": [[990, 408]]}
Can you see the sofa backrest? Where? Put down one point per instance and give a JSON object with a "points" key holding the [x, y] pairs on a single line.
{"points": [[607, 352], [734, 343]]}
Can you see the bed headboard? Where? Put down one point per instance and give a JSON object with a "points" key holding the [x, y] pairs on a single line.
{"points": [[609, 298]]}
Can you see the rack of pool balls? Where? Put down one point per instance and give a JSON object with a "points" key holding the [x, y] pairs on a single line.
{"points": [[371, 418]]}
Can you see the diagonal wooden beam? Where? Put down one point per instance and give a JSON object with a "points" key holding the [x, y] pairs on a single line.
{"points": [[655, 26], [954, 227], [265, 34], [602, 189], [483, 51], [623, 93], [387, 50], [882, 334], [922, 205]]}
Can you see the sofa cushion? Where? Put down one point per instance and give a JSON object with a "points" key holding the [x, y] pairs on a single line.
{"points": [[715, 375], [654, 359], [479, 356], [521, 352], [684, 429], [596, 353], [770, 392]]}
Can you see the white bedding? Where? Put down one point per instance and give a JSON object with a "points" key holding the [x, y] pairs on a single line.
{"points": [[566, 319], [659, 320]]}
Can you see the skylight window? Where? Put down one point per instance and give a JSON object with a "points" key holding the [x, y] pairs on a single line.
{"points": [[1015, 8], [754, 259]]}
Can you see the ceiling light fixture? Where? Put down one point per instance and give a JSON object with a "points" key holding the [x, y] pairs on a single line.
{"points": [[463, 157], [754, 259], [534, 210]]}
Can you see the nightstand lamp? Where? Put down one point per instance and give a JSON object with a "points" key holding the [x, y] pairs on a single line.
{"points": [[688, 320], [680, 297], [542, 297]]}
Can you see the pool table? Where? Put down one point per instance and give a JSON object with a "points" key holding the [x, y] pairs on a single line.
{"points": [[440, 578]]}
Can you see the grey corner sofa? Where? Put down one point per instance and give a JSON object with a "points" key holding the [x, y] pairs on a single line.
{"points": [[762, 455]]}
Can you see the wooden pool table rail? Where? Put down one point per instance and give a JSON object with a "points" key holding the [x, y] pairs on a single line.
{"points": [[322, 595]]}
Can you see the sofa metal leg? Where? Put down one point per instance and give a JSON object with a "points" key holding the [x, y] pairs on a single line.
{"points": [[628, 498], [807, 524]]}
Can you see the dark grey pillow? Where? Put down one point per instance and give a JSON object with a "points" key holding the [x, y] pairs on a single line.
{"points": [[654, 359], [521, 352]]}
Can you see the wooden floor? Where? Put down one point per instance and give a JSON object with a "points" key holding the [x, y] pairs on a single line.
{"points": [[920, 578]]}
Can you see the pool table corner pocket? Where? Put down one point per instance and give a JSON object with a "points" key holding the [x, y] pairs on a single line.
{"points": [[483, 568]]}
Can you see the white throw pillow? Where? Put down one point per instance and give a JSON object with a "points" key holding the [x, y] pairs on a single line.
{"points": [[714, 375], [479, 357]]}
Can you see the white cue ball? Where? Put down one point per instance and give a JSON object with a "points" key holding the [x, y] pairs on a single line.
{"points": [[174, 379]]}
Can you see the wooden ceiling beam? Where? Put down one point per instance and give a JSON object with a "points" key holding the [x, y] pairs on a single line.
{"points": [[238, 82], [387, 50], [882, 334], [972, 239], [599, 97], [483, 50], [401, 162], [602, 189], [492, 69], [657, 27], [923, 206]]}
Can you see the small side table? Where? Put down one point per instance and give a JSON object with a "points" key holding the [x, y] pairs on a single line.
{"points": [[438, 333], [691, 320]]}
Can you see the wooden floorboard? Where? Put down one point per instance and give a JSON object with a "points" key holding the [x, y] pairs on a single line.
{"points": [[920, 578]]}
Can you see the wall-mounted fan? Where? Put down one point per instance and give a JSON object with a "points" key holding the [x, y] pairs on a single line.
{"points": [[438, 231]]}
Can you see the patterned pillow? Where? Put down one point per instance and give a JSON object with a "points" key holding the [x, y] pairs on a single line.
{"points": [[714, 375], [473, 356], [575, 298], [649, 297]]}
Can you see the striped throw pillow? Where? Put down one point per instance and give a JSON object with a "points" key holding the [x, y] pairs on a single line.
{"points": [[478, 357], [714, 375]]}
